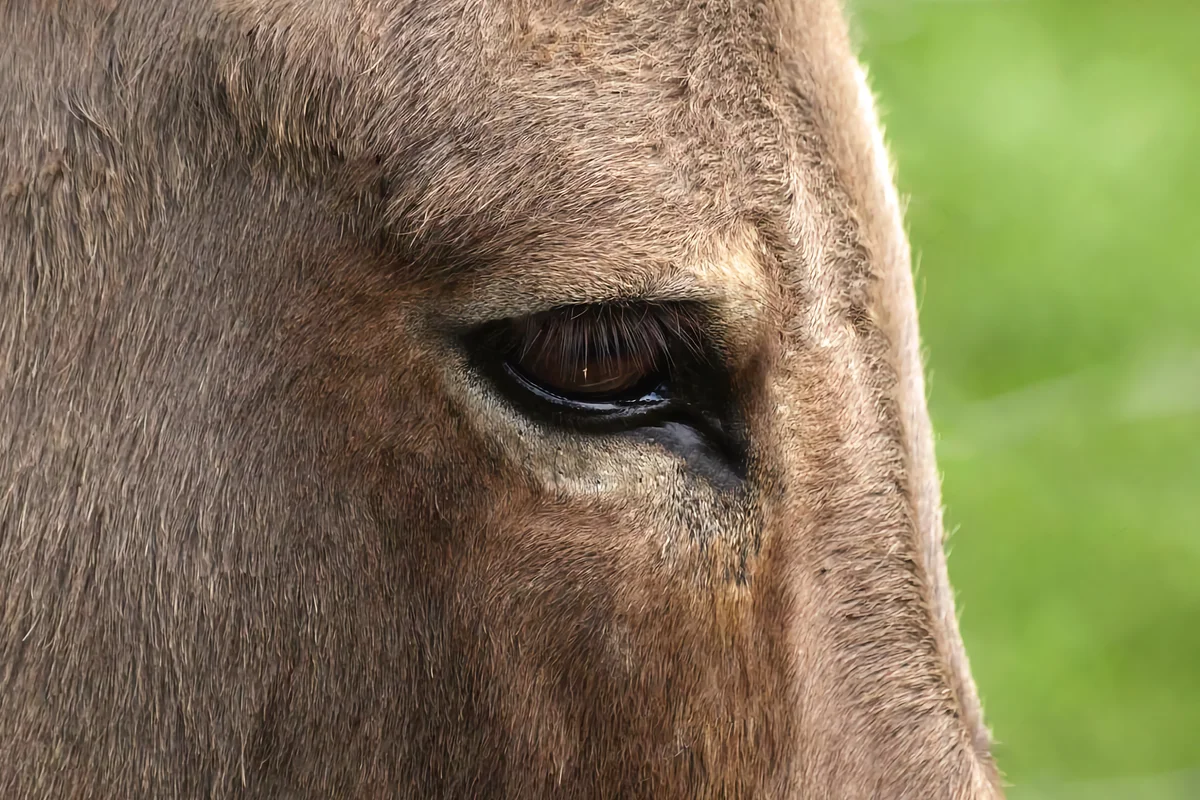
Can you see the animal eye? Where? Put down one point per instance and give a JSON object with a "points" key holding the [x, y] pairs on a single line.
{"points": [[641, 369], [589, 353], [592, 375], [599, 359]]}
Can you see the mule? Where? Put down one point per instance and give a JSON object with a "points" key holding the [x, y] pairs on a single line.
{"points": [[436, 398]]}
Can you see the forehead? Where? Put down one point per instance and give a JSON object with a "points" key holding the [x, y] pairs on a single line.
{"points": [[633, 138]]}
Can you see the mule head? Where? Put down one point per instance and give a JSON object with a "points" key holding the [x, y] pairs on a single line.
{"points": [[435, 398]]}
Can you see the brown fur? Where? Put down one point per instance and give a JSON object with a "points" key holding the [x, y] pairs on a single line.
{"points": [[264, 533]]}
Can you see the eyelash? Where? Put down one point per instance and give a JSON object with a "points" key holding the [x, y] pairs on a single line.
{"points": [[649, 338], [661, 343]]}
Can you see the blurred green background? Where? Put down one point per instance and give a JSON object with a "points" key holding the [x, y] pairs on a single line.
{"points": [[1050, 152]]}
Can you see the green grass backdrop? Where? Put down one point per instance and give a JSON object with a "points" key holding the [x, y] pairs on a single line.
{"points": [[1050, 151]]}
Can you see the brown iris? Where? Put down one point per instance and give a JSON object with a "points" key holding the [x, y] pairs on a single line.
{"points": [[594, 375]]}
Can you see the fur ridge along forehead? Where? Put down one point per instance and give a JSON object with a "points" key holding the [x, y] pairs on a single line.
{"points": [[273, 524]]}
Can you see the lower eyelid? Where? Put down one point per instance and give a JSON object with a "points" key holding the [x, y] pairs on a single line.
{"points": [[646, 395], [705, 444]]}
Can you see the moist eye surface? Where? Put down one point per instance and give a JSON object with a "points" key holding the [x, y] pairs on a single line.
{"points": [[608, 351], [637, 368]]}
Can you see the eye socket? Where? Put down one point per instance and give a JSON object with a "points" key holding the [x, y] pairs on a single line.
{"points": [[641, 369]]}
